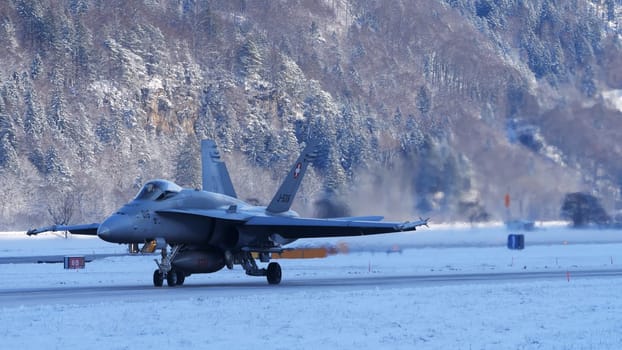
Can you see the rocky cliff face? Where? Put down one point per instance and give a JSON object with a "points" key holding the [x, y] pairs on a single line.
{"points": [[424, 107]]}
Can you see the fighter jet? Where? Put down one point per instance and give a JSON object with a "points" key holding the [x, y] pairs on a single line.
{"points": [[211, 228]]}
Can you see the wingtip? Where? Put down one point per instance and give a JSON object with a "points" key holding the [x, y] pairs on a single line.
{"points": [[425, 221], [33, 232], [412, 226], [36, 231]]}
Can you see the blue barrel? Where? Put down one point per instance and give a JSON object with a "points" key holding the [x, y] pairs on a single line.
{"points": [[516, 241]]}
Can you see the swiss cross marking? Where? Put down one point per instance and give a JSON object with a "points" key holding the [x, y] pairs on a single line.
{"points": [[297, 170]]}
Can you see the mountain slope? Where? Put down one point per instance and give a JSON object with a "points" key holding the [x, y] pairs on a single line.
{"points": [[427, 108]]}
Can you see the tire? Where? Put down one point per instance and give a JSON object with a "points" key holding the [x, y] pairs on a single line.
{"points": [[158, 279], [273, 274], [181, 278], [171, 278]]}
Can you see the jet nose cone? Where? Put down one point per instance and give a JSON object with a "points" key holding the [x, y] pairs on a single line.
{"points": [[111, 230]]}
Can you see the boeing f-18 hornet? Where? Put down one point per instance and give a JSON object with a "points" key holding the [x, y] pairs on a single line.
{"points": [[209, 229]]}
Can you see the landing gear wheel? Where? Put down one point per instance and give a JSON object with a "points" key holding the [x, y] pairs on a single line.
{"points": [[171, 278], [273, 274], [181, 277], [158, 279]]}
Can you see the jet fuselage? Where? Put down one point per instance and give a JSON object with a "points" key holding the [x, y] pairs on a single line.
{"points": [[148, 217]]}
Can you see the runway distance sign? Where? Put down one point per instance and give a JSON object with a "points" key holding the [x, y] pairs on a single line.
{"points": [[74, 262]]}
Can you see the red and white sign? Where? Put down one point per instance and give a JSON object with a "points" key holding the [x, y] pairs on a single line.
{"points": [[74, 262]]}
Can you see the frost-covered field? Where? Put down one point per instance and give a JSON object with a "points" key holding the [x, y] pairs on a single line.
{"points": [[359, 300]]}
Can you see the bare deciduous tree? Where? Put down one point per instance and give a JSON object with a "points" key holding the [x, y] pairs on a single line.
{"points": [[61, 209]]}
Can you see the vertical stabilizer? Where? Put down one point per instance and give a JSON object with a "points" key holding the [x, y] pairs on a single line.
{"points": [[284, 197], [215, 175]]}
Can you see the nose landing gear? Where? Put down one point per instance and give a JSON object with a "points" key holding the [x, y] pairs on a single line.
{"points": [[165, 270]]}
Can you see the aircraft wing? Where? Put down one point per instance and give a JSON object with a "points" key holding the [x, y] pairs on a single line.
{"points": [[83, 229], [293, 228], [229, 215]]}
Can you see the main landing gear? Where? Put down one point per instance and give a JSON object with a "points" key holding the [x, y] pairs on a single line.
{"points": [[166, 272], [272, 273], [176, 277]]}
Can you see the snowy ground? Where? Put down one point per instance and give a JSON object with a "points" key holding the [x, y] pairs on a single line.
{"points": [[360, 300]]}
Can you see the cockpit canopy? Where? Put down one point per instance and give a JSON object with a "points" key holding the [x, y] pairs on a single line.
{"points": [[157, 190]]}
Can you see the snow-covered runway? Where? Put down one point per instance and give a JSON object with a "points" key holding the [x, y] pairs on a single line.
{"points": [[561, 294], [90, 294]]}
